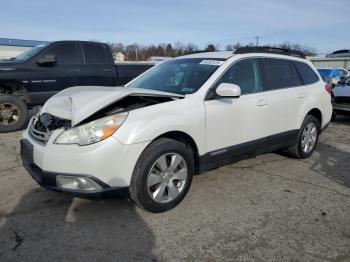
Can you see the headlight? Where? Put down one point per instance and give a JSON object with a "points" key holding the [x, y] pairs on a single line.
{"points": [[92, 132]]}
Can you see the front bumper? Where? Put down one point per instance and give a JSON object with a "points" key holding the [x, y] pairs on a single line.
{"points": [[48, 179], [109, 163]]}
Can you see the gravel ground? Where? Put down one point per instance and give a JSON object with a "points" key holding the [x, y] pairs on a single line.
{"points": [[269, 208]]}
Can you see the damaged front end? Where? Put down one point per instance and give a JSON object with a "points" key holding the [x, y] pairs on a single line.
{"points": [[42, 126], [86, 123]]}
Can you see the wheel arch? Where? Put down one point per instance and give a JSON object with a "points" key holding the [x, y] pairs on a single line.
{"points": [[15, 88], [186, 139], [317, 113]]}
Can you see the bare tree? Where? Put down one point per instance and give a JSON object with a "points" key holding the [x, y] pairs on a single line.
{"points": [[210, 48], [286, 45], [136, 51], [234, 46], [297, 47]]}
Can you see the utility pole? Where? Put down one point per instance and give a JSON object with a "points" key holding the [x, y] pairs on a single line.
{"points": [[257, 40], [136, 52]]}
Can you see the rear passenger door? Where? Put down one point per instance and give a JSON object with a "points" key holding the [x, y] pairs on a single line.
{"points": [[98, 67], [286, 95]]}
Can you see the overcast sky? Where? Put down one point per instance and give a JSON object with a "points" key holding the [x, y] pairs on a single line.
{"points": [[322, 24]]}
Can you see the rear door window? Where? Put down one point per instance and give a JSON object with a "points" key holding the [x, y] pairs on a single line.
{"points": [[279, 73], [95, 53], [307, 75]]}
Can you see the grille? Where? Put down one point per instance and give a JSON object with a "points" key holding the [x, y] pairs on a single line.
{"points": [[41, 127]]}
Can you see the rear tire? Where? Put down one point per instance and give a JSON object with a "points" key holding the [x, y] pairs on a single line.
{"points": [[13, 114], [162, 175], [307, 138]]}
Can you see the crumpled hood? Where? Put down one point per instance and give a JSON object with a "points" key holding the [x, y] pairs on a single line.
{"points": [[80, 102]]}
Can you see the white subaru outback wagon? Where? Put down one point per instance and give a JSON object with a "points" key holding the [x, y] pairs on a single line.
{"points": [[180, 118]]}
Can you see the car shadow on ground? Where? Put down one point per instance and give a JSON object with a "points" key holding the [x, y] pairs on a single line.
{"points": [[333, 162], [51, 226]]}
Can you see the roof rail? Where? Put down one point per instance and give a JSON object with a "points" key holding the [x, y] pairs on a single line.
{"points": [[269, 50]]}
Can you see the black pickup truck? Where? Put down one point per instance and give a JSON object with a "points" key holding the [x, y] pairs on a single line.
{"points": [[35, 75]]}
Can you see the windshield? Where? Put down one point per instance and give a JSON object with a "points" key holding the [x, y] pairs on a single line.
{"points": [[29, 53], [180, 76], [325, 72]]}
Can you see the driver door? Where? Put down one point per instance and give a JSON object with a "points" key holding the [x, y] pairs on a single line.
{"points": [[64, 73], [237, 127]]}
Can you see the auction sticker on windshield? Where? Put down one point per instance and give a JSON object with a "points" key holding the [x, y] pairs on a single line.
{"points": [[212, 62]]}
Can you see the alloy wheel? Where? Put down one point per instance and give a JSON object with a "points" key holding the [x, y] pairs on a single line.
{"points": [[9, 114], [167, 178], [309, 137]]}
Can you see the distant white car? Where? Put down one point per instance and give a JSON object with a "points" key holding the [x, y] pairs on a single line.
{"points": [[180, 118]]}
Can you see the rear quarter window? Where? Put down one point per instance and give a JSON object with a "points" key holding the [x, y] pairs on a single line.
{"points": [[279, 73], [307, 75]]}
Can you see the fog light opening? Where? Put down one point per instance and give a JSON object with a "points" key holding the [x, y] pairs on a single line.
{"points": [[77, 183]]}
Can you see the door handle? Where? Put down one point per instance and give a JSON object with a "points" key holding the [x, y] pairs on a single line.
{"points": [[107, 70], [261, 102], [301, 95]]}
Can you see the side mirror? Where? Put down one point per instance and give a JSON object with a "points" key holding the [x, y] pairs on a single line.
{"points": [[46, 60], [228, 90]]}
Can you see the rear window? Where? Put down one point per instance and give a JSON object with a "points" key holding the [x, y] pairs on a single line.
{"points": [[307, 75], [95, 53], [279, 74]]}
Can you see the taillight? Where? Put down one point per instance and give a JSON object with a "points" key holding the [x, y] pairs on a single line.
{"points": [[328, 88]]}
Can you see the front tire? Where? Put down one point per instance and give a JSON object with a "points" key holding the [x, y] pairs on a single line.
{"points": [[13, 114], [162, 175], [307, 138]]}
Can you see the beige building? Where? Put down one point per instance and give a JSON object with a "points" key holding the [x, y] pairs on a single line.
{"points": [[6, 52], [119, 56], [323, 62]]}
